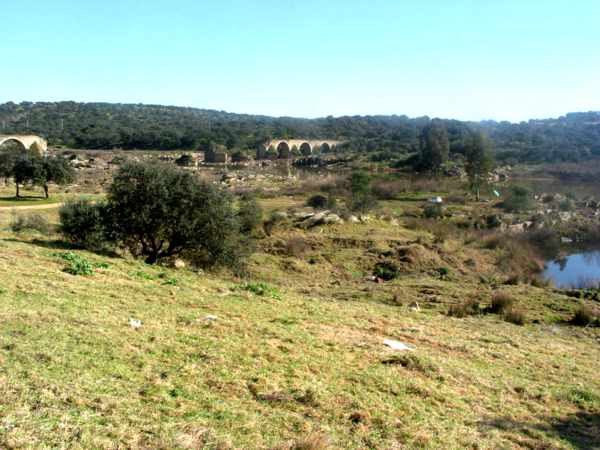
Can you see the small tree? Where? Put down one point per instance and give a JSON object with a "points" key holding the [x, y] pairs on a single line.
{"points": [[40, 171], [52, 170], [434, 146], [23, 171], [362, 199], [479, 161], [518, 199], [159, 211], [250, 213]]}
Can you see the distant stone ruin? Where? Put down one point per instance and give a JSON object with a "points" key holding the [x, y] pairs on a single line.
{"points": [[306, 147], [27, 141]]}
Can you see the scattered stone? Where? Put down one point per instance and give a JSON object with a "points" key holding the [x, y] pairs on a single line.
{"points": [[179, 264], [332, 218], [279, 215], [135, 323], [397, 345]]}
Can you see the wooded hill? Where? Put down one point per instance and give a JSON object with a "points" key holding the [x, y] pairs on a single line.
{"points": [[573, 137]]}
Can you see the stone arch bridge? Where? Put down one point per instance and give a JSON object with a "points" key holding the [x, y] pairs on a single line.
{"points": [[28, 141], [305, 146]]}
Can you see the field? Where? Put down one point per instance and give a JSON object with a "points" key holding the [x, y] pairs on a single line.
{"points": [[293, 355]]}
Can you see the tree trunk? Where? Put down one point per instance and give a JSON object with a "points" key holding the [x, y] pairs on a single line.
{"points": [[17, 185], [152, 258], [477, 194], [46, 190]]}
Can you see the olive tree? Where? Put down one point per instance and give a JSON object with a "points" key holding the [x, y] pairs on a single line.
{"points": [[159, 211]]}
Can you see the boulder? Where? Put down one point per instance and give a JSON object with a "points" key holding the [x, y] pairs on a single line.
{"points": [[314, 220], [332, 218]]}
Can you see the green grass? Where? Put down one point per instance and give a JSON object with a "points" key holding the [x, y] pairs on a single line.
{"points": [[296, 350]]}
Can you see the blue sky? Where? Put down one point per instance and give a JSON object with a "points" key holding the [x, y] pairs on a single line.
{"points": [[476, 59]]}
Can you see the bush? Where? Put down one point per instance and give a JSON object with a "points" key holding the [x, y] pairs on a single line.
{"points": [[158, 211], [518, 199], [501, 302], [185, 160], [361, 197], [84, 224], [514, 316], [30, 222], [585, 315], [250, 213], [433, 211], [464, 309], [77, 265], [317, 201], [386, 270], [261, 289], [492, 221]]}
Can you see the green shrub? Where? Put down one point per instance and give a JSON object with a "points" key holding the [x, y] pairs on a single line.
{"points": [[518, 199], [386, 270], [30, 222], [250, 213], [83, 223], [317, 201], [261, 289], [492, 221], [443, 272], [77, 265], [361, 196], [433, 211], [158, 211]]}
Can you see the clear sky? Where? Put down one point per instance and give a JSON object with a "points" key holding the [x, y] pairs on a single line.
{"points": [[464, 59]]}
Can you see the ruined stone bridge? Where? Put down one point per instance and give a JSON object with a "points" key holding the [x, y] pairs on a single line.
{"points": [[305, 146], [27, 141]]}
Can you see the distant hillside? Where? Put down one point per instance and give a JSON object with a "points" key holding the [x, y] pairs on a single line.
{"points": [[133, 126]]}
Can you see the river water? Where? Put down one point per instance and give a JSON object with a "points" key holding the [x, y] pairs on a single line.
{"points": [[576, 270]]}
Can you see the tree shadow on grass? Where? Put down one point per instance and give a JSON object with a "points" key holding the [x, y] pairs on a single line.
{"points": [[581, 430], [57, 244]]}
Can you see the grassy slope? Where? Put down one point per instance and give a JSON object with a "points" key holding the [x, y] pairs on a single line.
{"points": [[74, 373]]}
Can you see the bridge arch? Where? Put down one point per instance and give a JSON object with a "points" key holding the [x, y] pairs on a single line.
{"points": [[283, 150], [28, 142], [305, 149]]}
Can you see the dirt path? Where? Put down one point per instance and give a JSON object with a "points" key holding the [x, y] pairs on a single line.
{"points": [[28, 207]]}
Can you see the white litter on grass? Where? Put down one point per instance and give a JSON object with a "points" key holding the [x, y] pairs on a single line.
{"points": [[496, 193], [210, 318], [135, 323], [397, 345]]}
